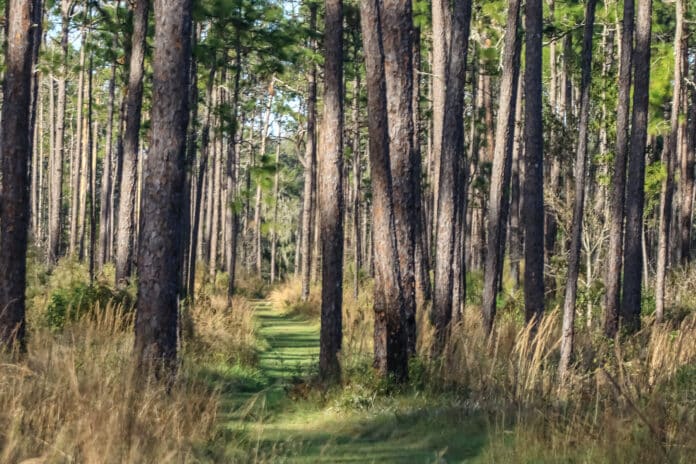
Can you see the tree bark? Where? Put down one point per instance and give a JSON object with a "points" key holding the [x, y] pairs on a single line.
{"points": [[258, 204], [276, 185], [617, 200], [216, 186], [56, 200], [502, 166], [440, 48], [390, 348], [397, 26], [15, 143], [196, 229], [534, 161], [515, 231], [688, 160], [106, 186], [231, 212], [422, 253], [669, 155], [159, 246], [331, 203], [310, 168], [449, 177], [635, 194], [568, 334], [357, 178], [131, 140], [77, 162], [37, 137]]}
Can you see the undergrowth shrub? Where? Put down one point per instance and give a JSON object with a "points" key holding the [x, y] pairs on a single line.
{"points": [[79, 299]]}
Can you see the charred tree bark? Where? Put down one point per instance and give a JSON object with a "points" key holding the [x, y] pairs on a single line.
{"points": [[534, 160]]}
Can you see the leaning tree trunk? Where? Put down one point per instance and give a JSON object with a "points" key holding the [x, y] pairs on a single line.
{"points": [[635, 183], [390, 349], [617, 199], [160, 233], [534, 175], [502, 167], [131, 139], [568, 333], [670, 155], [15, 143], [449, 177], [331, 195]]}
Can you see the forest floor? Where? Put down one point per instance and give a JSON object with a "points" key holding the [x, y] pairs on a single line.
{"points": [[277, 417]]}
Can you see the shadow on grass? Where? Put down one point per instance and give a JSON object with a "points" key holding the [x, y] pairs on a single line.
{"points": [[264, 424]]}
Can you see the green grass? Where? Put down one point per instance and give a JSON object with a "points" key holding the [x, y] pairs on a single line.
{"points": [[271, 415]]}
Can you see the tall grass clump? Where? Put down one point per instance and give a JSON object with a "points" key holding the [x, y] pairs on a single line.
{"points": [[72, 398], [287, 297]]}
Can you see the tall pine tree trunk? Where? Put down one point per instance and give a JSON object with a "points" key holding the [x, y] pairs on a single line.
{"points": [[534, 160], [669, 156], [131, 140], [331, 202], [635, 182], [106, 186], [159, 248], [502, 166], [55, 221], [396, 17], [15, 143], [232, 152], [617, 198], [390, 349], [571, 288], [310, 167], [449, 177]]}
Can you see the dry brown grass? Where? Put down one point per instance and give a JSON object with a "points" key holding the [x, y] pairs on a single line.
{"points": [[72, 399], [214, 329], [287, 297]]}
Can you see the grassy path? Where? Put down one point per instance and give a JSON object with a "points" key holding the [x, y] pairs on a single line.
{"points": [[354, 427]]}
